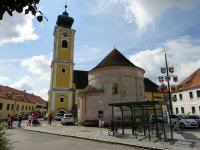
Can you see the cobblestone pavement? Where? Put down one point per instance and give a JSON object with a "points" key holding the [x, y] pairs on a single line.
{"points": [[186, 141]]}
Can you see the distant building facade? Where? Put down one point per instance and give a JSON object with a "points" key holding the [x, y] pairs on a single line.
{"points": [[16, 102], [187, 99], [114, 79], [152, 92]]}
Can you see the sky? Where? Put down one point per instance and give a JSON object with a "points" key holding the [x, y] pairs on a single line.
{"points": [[142, 30]]}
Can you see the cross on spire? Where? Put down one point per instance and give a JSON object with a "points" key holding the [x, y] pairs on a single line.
{"points": [[66, 6]]}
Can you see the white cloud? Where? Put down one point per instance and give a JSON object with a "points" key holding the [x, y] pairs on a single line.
{"points": [[4, 80], [38, 65], [42, 93], [183, 53], [87, 54], [144, 12], [18, 28], [23, 84]]}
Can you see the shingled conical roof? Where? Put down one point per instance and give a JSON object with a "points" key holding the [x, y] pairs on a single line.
{"points": [[192, 81], [115, 58]]}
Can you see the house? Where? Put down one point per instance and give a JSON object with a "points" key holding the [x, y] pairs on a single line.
{"points": [[16, 102], [186, 100]]}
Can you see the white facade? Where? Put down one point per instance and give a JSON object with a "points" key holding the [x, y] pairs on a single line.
{"points": [[189, 103]]}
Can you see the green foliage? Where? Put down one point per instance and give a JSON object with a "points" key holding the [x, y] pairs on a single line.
{"points": [[30, 6], [4, 142]]}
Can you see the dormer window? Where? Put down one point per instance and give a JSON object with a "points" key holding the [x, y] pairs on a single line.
{"points": [[64, 43]]}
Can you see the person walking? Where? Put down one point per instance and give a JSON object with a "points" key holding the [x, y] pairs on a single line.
{"points": [[50, 117], [29, 120], [9, 121], [20, 121]]}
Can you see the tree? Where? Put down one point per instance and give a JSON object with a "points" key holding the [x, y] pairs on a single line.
{"points": [[30, 6], [4, 142]]}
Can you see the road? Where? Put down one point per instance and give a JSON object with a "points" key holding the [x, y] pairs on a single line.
{"points": [[28, 140]]}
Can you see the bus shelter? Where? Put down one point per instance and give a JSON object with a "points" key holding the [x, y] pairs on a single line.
{"points": [[147, 118]]}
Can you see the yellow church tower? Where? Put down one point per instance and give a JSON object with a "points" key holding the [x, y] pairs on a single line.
{"points": [[60, 96]]}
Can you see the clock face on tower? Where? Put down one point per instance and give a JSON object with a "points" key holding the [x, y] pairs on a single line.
{"points": [[64, 34]]}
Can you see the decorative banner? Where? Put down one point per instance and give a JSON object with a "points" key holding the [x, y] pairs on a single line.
{"points": [[163, 88], [175, 78], [173, 88], [163, 70], [161, 79], [171, 69], [167, 78]]}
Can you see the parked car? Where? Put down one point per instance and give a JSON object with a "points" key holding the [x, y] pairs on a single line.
{"points": [[58, 117], [185, 121], [68, 119], [196, 118]]}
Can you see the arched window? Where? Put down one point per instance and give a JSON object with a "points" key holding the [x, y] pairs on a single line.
{"points": [[62, 99], [63, 69], [64, 43]]}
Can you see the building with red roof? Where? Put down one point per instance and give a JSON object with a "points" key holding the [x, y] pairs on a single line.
{"points": [[16, 102], [187, 98]]}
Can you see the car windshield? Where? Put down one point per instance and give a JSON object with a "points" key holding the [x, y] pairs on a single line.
{"points": [[184, 117], [194, 117], [68, 116]]}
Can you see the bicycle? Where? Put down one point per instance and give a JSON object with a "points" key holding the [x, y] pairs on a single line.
{"points": [[112, 131], [178, 127]]}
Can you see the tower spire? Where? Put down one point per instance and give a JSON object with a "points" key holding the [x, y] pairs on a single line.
{"points": [[66, 8]]}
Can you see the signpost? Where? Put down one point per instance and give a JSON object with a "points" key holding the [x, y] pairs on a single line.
{"points": [[100, 116]]}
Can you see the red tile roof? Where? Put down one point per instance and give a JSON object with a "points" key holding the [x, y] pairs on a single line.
{"points": [[11, 93], [193, 81]]}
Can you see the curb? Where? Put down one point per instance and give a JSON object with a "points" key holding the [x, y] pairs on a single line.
{"points": [[109, 142]]}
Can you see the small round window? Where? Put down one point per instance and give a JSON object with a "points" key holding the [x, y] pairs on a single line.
{"points": [[62, 99]]}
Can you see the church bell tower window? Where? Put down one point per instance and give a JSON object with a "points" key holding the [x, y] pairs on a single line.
{"points": [[63, 70], [62, 99], [64, 44]]}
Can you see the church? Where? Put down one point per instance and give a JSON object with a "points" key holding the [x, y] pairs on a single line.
{"points": [[84, 93]]}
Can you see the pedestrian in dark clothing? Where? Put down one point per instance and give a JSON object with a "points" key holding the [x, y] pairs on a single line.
{"points": [[12, 119], [20, 121], [9, 121], [50, 118]]}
